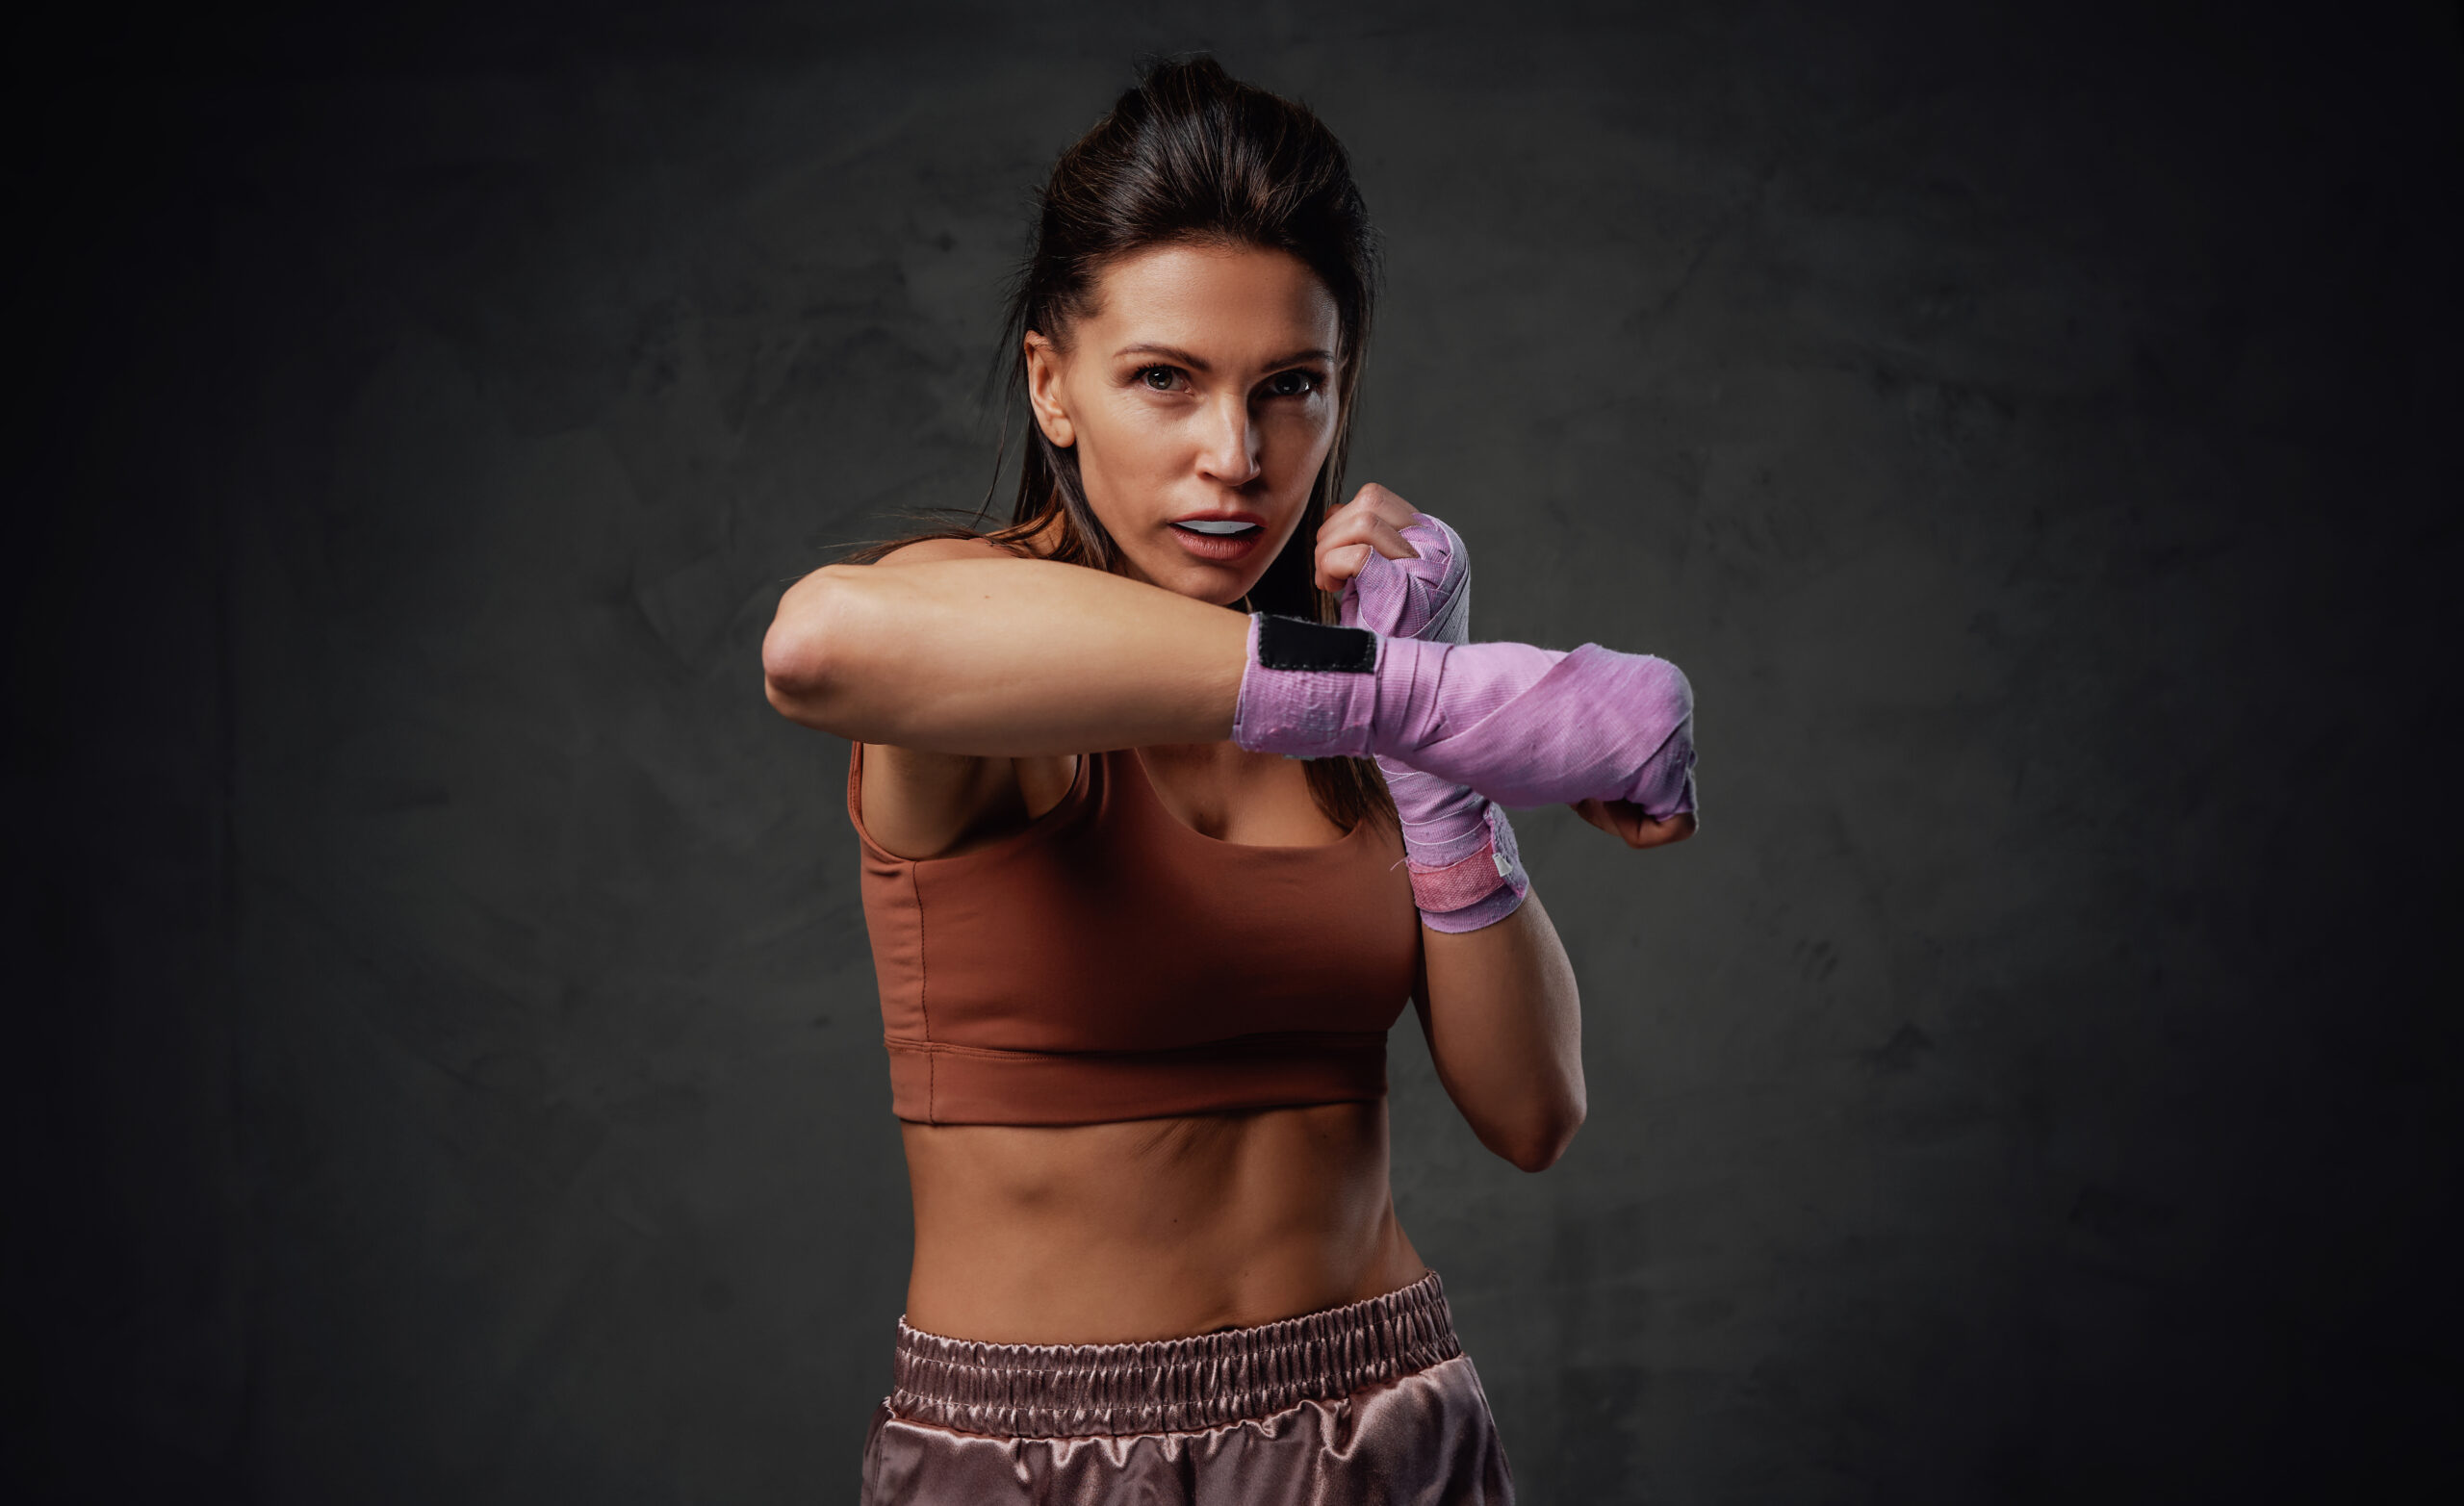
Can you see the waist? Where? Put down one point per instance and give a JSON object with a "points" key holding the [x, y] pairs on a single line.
{"points": [[1205, 1380], [1152, 1228]]}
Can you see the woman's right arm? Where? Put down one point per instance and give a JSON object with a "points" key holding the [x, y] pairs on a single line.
{"points": [[960, 651]]}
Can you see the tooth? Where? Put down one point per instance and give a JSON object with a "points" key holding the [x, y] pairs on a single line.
{"points": [[1217, 525]]}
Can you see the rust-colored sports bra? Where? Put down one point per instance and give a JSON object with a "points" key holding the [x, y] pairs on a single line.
{"points": [[1108, 961]]}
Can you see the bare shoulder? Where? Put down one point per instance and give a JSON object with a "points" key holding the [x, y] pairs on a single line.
{"points": [[929, 551]]}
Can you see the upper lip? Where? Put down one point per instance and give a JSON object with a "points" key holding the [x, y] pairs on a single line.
{"points": [[1226, 516]]}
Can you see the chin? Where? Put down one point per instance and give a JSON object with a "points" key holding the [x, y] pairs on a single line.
{"points": [[1196, 579], [1212, 586]]}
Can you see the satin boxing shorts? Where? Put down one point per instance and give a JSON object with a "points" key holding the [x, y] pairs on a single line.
{"points": [[1372, 1404]]}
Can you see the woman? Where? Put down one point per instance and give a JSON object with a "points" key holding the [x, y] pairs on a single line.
{"points": [[1135, 969]]}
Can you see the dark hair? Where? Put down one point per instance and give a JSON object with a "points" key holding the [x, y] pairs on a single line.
{"points": [[1193, 155]]}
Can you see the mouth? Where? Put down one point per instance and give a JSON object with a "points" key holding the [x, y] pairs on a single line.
{"points": [[1220, 539]]}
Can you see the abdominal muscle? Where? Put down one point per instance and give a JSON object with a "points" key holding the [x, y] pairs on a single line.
{"points": [[1151, 1228]]}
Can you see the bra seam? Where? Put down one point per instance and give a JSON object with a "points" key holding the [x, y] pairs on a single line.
{"points": [[1315, 1039], [923, 988]]}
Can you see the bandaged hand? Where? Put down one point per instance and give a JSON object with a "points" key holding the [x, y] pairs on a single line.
{"points": [[1458, 846], [1520, 724]]}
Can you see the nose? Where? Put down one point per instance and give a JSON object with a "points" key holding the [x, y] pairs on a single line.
{"points": [[1229, 452]]}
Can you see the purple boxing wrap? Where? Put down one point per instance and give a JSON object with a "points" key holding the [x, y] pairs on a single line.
{"points": [[1597, 725], [1521, 725], [1458, 846], [1428, 598]]}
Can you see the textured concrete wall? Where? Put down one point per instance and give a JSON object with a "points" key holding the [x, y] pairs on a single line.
{"points": [[455, 1075]]}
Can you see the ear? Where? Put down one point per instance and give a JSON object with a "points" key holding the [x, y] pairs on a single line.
{"points": [[1044, 391]]}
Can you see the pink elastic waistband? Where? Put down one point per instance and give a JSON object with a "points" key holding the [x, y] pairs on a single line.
{"points": [[1170, 1384]]}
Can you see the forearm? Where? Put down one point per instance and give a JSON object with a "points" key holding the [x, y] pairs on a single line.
{"points": [[1505, 1026], [1006, 658]]}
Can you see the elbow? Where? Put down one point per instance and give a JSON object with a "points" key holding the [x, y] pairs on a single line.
{"points": [[804, 653], [1537, 1143]]}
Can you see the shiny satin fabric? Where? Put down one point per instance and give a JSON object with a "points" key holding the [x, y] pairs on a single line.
{"points": [[1374, 1404]]}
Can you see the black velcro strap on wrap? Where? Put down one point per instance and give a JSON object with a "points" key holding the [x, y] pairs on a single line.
{"points": [[1290, 643]]}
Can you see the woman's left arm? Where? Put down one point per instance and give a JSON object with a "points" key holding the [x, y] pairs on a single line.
{"points": [[1497, 997], [1499, 1008]]}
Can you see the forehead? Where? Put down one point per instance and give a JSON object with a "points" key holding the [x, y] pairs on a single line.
{"points": [[1234, 304]]}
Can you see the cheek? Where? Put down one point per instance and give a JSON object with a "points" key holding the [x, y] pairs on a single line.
{"points": [[1299, 437], [1129, 437], [1128, 451]]}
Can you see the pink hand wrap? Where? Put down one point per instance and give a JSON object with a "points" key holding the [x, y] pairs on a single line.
{"points": [[1523, 726], [1458, 844]]}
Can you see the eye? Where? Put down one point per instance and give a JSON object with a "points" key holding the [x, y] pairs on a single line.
{"points": [[1160, 378], [1293, 384]]}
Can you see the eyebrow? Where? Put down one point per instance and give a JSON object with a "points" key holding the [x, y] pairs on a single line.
{"points": [[1184, 358]]}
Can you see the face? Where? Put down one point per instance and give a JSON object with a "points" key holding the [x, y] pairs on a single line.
{"points": [[1201, 399]]}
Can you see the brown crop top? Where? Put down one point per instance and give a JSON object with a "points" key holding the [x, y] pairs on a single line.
{"points": [[1108, 961]]}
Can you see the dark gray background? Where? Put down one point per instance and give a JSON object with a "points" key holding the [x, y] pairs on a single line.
{"points": [[443, 1064]]}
